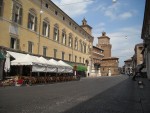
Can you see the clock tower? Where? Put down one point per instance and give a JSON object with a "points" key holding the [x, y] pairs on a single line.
{"points": [[104, 43]]}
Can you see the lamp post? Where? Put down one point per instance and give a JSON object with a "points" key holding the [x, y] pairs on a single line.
{"points": [[114, 1]]}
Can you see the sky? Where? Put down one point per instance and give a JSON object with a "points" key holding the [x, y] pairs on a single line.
{"points": [[121, 20]]}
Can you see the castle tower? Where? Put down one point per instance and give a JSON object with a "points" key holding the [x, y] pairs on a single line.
{"points": [[86, 27], [104, 43]]}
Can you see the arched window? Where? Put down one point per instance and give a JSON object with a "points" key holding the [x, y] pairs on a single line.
{"points": [[84, 47], [70, 40], [46, 27], [56, 33], [17, 12], [81, 46], [64, 37], [76, 43], [32, 20]]}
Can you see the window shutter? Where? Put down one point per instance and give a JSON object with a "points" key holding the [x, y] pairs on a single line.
{"points": [[54, 34], [72, 42], [13, 11], [48, 30], [62, 38], [43, 28], [20, 16], [58, 35], [18, 44], [29, 20], [35, 26], [65, 38]]}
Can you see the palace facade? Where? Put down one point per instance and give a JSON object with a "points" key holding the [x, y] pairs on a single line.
{"points": [[39, 27]]}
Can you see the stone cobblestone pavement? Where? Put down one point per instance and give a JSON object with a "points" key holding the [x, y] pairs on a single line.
{"points": [[126, 97], [117, 94]]}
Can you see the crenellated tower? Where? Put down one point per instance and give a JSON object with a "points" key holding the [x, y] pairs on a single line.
{"points": [[104, 43]]}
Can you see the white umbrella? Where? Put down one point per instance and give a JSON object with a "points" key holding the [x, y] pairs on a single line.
{"points": [[7, 63]]}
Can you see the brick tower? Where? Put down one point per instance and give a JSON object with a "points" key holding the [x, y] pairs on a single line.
{"points": [[104, 43]]}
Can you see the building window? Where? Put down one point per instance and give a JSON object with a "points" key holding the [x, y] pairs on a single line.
{"points": [[1, 7], [70, 23], [63, 55], [70, 40], [80, 59], [46, 5], [14, 43], [63, 18], [55, 53], [56, 33], [44, 51], [56, 13], [76, 44], [75, 58], [30, 47], [64, 38], [46, 29], [83, 60], [32, 21], [81, 46], [84, 48], [69, 57], [17, 13]]}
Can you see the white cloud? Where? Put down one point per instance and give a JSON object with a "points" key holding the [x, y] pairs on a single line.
{"points": [[126, 15], [72, 8], [97, 30], [123, 42], [114, 12]]}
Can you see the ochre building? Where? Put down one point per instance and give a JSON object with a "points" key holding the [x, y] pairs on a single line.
{"points": [[41, 28]]}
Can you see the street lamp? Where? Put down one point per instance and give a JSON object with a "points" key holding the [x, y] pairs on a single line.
{"points": [[114, 1]]}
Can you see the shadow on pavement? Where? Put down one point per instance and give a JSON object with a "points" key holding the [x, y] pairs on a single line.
{"points": [[125, 97]]}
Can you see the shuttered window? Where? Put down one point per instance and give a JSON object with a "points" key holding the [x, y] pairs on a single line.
{"points": [[63, 55], [44, 50], [55, 53], [46, 29], [76, 44], [32, 21], [17, 13], [30, 47], [64, 38], [56, 34], [14, 43], [70, 41]]}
